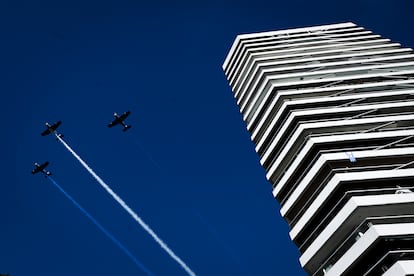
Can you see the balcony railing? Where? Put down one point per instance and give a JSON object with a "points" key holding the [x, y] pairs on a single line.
{"points": [[388, 260], [341, 202], [356, 235]]}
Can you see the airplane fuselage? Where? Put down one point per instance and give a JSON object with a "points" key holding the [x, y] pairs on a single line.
{"points": [[119, 119], [51, 128], [41, 168]]}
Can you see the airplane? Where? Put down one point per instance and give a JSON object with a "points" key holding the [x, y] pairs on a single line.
{"points": [[41, 168], [52, 129], [120, 120]]}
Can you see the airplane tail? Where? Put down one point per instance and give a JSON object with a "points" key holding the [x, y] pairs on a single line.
{"points": [[126, 127], [60, 136]]}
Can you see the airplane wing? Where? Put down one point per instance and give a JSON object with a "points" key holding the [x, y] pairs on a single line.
{"points": [[46, 132], [35, 170], [114, 123], [125, 115], [56, 125], [44, 165], [39, 168], [51, 128]]}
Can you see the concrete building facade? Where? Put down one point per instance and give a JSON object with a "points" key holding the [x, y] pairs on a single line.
{"points": [[330, 110]]}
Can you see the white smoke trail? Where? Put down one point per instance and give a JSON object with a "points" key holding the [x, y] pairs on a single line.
{"points": [[128, 209], [139, 144], [225, 245]]}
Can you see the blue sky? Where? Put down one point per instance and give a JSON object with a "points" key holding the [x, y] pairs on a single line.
{"points": [[187, 165]]}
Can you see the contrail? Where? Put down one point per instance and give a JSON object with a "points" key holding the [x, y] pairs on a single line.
{"points": [[128, 209], [103, 229], [139, 144], [225, 245]]}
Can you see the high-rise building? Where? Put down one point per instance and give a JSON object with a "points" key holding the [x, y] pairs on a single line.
{"points": [[330, 110]]}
